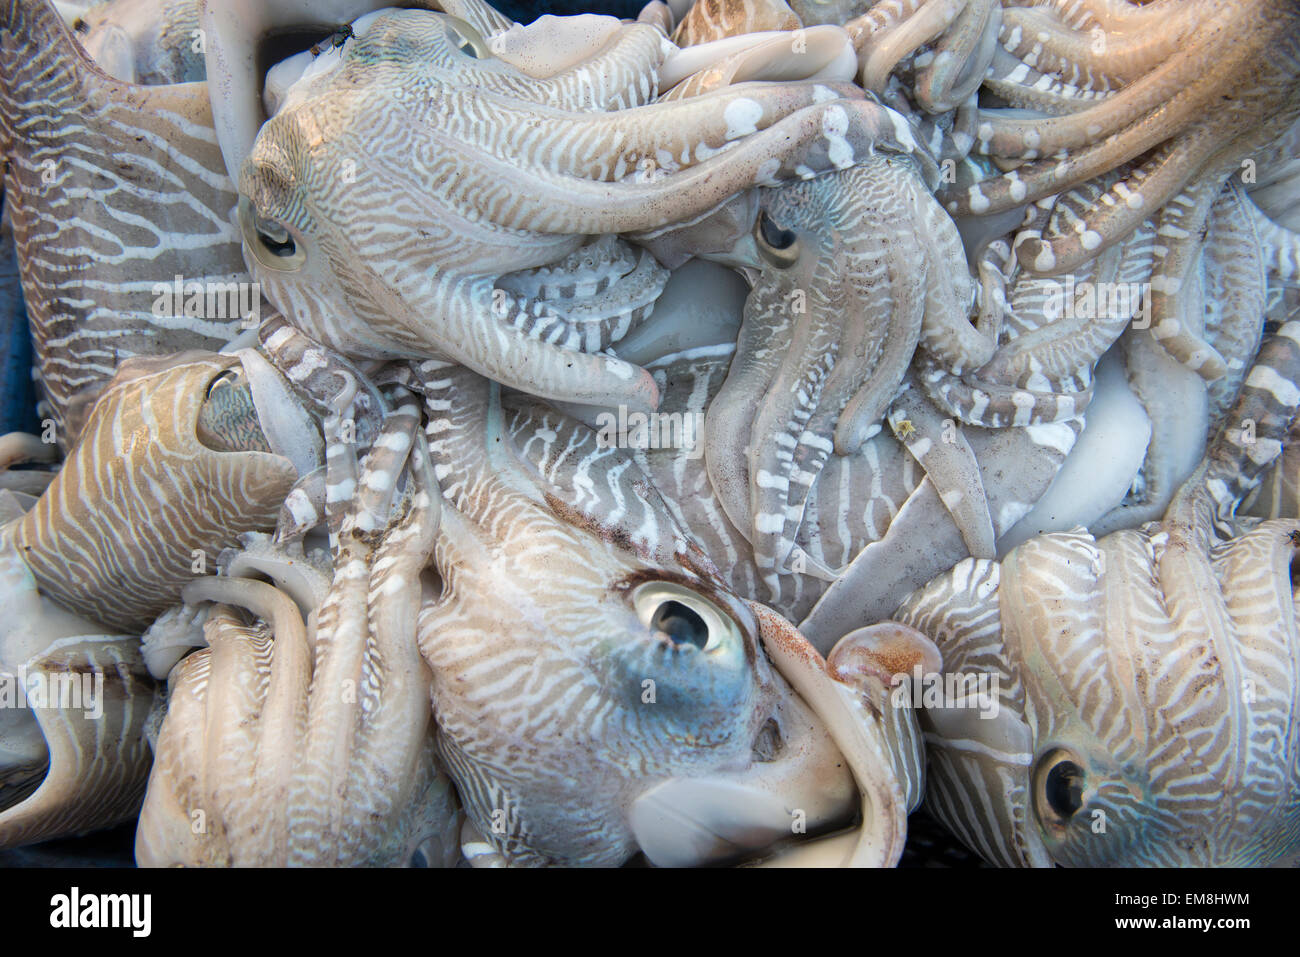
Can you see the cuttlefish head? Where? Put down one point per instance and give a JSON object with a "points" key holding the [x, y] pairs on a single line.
{"points": [[179, 456], [600, 692], [318, 191]]}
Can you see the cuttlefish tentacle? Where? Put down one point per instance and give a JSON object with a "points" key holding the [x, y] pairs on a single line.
{"points": [[1119, 54], [1236, 264], [1025, 88], [1281, 245], [1269, 398], [824, 385], [1182, 224], [711, 19], [822, 53], [1085, 314], [336, 778], [19, 448], [1198, 113], [961, 59], [966, 31], [1220, 298], [996, 405], [950, 464]]}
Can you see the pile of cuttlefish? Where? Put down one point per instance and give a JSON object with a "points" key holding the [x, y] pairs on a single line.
{"points": [[692, 440]]}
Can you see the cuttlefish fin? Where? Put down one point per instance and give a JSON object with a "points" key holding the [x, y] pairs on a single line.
{"points": [[88, 696]]}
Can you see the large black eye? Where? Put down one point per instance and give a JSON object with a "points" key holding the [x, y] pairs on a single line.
{"points": [[778, 246], [274, 238], [680, 624], [685, 619], [1059, 786], [270, 242]]}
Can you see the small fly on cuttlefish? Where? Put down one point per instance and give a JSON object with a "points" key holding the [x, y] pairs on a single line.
{"points": [[333, 41]]}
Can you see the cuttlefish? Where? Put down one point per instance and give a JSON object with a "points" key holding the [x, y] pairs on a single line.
{"points": [[1146, 680]]}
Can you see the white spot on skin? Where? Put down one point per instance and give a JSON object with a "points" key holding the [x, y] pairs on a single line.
{"points": [[766, 174], [1090, 240], [835, 123], [742, 116], [978, 201], [619, 369], [902, 130], [1024, 403], [1052, 435], [1045, 259], [1167, 329], [394, 441]]}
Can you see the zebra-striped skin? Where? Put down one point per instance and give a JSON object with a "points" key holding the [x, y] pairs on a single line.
{"points": [[879, 497], [77, 760], [112, 188], [321, 750], [851, 271], [714, 19], [1147, 680], [141, 501]]}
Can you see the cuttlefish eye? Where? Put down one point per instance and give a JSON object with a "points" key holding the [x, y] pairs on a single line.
{"points": [[683, 618], [228, 420], [271, 243], [1059, 784], [778, 246], [467, 40]]}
